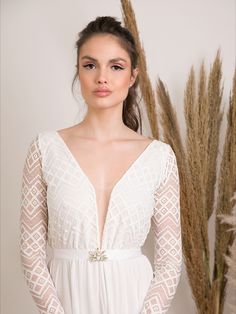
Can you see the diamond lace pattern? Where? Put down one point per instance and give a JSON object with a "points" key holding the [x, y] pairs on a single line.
{"points": [[167, 242], [33, 234]]}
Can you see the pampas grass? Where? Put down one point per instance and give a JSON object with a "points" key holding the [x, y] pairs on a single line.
{"points": [[144, 81], [225, 201], [230, 258], [197, 164]]}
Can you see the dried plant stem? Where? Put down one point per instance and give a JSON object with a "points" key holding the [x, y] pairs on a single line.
{"points": [[227, 186], [194, 158], [230, 258], [144, 81], [214, 121]]}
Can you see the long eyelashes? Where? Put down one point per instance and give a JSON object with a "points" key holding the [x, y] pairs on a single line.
{"points": [[91, 66], [118, 67]]}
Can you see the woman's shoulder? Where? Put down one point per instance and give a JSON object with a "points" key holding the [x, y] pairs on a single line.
{"points": [[44, 138], [159, 143], [45, 133]]}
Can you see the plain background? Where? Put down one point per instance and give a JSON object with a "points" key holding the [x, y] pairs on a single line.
{"points": [[37, 66]]}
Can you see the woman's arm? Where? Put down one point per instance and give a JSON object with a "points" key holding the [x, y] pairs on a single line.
{"points": [[33, 234], [167, 242]]}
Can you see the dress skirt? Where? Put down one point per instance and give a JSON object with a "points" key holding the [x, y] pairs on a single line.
{"points": [[113, 286]]}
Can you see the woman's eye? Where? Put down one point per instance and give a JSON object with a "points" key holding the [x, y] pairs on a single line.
{"points": [[117, 67], [89, 66]]}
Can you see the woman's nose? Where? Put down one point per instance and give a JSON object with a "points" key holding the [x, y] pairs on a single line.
{"points": [[102, 81], [102, 77]]}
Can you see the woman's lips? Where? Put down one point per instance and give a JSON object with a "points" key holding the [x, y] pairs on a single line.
{"points": [[102, 92]]}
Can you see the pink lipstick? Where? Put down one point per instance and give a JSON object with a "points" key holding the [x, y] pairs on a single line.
{"points": [[102, 92]]}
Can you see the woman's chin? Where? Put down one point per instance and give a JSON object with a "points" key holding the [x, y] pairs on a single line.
{"points": [[103, 103]]}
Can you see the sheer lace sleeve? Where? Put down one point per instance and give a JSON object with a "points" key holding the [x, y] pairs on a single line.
{"points": [[166, 226], [33, 234]]}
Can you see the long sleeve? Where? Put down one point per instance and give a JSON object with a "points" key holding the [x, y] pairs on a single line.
{"points": [[33, 234], [166, 227]]}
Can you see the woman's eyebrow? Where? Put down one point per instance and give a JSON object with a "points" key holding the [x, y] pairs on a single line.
{"points": [[112, 60], [90, 58], [118, 59]]}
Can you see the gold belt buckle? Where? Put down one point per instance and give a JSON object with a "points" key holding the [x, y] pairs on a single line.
{"points": [[97, 255]]}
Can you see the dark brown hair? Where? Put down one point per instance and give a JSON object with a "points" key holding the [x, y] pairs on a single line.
{"points": [[109, 25]]}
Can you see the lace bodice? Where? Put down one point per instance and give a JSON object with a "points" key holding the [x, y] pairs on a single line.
{"points": [[58, 208]]}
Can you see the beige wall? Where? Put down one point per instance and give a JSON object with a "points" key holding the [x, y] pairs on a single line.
{"points": [[37, 64]]}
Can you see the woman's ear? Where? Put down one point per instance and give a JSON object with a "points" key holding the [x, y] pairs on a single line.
{"points": [[134, 76]]}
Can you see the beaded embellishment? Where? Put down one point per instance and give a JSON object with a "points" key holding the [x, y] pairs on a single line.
{"points": [[97, 255]]}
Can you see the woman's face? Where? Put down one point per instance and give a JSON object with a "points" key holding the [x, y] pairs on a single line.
{"points": [[104, 71]]}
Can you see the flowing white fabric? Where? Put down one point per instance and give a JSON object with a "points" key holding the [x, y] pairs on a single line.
{"points": [[59, 208]]}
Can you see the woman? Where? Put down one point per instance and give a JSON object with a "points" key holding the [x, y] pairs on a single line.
{"points": [[92, 191]]}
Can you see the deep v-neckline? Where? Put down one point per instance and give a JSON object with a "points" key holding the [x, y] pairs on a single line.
{"points": [[122, 177]]}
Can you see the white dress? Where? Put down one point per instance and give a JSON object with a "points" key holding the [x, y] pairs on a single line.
{"points": [[59, 210]]}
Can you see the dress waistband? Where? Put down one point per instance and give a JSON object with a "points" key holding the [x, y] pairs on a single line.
{"points": [[96, 255]]}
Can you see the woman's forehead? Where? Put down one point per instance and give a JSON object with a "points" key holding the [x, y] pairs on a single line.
{"points": [[102, 46]]}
